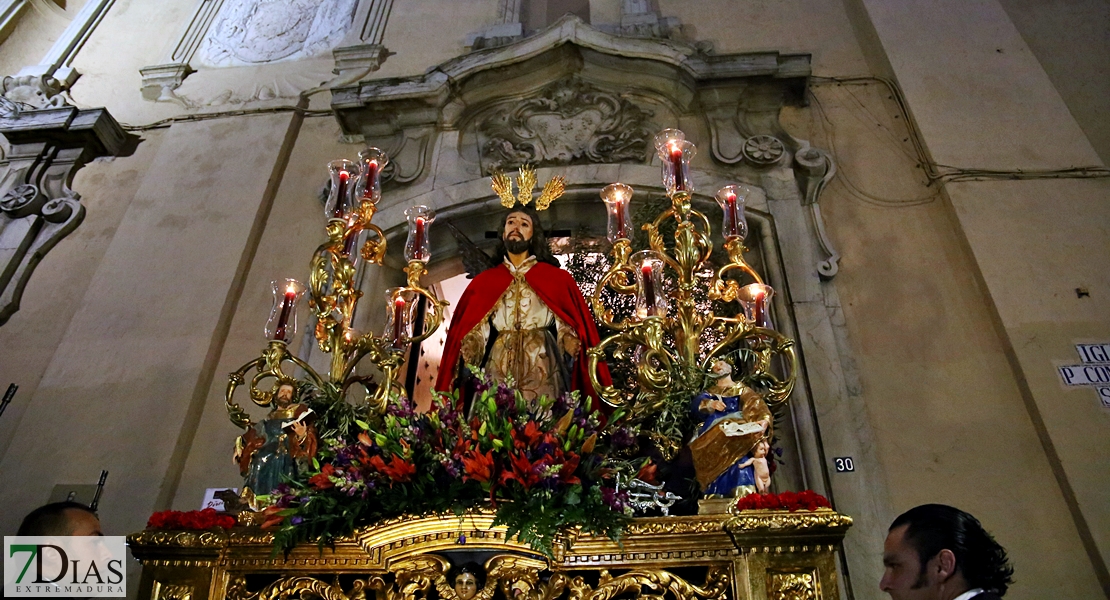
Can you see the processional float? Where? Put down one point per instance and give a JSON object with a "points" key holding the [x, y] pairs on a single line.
{"points": [[776, 546]]}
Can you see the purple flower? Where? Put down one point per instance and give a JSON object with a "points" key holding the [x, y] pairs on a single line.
{"points": [[504, 397], [562, 404], [623, 438], [614, 499], [297, 520]]}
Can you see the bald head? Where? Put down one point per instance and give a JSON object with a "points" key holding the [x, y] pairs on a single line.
{"points": [[61, 518]]}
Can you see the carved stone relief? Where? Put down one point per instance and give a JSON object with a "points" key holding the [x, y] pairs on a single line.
{"points": [[254, 32], [248, 32], [31, 92], [570, 122], [745, 131]]}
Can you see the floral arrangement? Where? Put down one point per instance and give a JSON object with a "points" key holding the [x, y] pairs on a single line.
{"points": [[193, 519], [539, 465], [792, 501]]}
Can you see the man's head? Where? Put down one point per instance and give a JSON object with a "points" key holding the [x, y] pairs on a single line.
{"points": [[522, 232], [61, 519], [937, 551]]}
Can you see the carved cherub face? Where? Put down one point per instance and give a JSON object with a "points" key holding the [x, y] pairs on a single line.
{"points": [[466, 586]]}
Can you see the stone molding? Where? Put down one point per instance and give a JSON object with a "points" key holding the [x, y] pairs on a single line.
{"points": [[519, 115], [38, 209], [58, 59], [10, 13]]}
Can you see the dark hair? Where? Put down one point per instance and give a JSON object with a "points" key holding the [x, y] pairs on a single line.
{"points": [[51, 519], [935, 527], [539, 246], [469, 567]]}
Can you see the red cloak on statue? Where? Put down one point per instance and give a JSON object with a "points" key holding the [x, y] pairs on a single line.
{"points": [[558, 290]]}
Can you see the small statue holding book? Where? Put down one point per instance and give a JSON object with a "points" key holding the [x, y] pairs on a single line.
{"points": [[731, 447], [277, 448]]}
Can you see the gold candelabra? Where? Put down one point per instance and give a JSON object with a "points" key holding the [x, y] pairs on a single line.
{"points": [[353, 242], [664, 335]]}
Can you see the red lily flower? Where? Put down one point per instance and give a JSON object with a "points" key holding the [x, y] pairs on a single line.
{"points": [[532, 434], [478, 466], [320, 480], [566, 473], [522, 470], [398, 469]]}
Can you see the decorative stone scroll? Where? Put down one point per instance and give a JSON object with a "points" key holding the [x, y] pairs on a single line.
{"points": [[570, 122], [48, 146]]}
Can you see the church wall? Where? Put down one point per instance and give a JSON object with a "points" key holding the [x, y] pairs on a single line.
{"points": [[949, 312], [54, 294], [123, 388], [948, 420], [1075, 61], [982, 100]]}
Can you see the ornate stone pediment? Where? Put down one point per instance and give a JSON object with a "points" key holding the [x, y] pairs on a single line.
{"points": [[569, 122]]}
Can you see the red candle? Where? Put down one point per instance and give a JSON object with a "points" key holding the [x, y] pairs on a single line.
{"points": [[418, 240], [286, 310], [371, 179], [676, 161], [618, 206], [398, 321], [341, 195], [649, 287], [759, 309], [352, 237], [730, 216]]}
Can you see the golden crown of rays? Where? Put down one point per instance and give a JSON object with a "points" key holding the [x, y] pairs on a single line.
{"points": [[525, 183]]}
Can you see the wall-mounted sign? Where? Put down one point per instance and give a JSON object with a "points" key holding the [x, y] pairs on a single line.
{"points": [[1093, 370]]}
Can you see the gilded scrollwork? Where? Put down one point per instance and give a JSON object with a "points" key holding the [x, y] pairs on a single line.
{"points": [[181, 539], [660, 583], [775, 520], [668, 526], [297, 587], [172, 592], [793, 585]]}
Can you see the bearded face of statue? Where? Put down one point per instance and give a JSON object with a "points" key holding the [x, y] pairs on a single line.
{"points": [[518, 233], [285, 395]]}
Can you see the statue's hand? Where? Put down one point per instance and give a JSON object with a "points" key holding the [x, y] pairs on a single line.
{"points": [[717, 405], [300, 429]]}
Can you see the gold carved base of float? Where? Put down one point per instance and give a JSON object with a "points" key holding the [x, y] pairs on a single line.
{"points": [[753, 555]]}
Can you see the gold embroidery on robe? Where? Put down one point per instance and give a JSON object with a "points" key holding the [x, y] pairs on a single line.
{"points": [[524, 349]]}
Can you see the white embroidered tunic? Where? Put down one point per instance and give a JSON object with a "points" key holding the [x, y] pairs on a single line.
{"points": [[524, 348]]}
